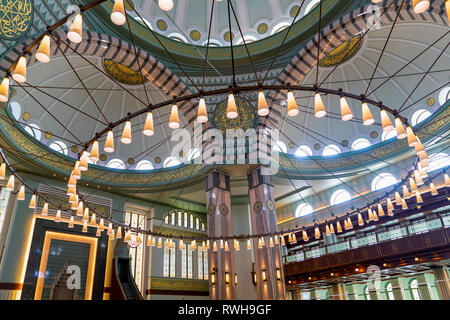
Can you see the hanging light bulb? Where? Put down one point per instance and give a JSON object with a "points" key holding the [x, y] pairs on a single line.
{"points": [[418, 197], [420, 6], [317, 233], [360, 219], [412, 139], [76, 172], [305, 236], [401, 133], [4, 90], [148, 126], [292, 108], [327, 230], [263, 109], [139, 240], [294, 239], [221, 244], [319, 107], [338, 227], [208, 245], [93, 220], [260, 245], [118, 13], [203, 246], [215, 246], [447, 180], [367, 115], [101, 225], [110, 229], [159, 243], [346, 112], [20, 71], [226, 245], [275, 239], [202, 113], [21, 194], [412, 185], [10, 184], [80, 209], [119, 233], [128, 236], [433, 189], [385, 121], [370, 215], [283, 243], [349, 224], [374, 215], [74, 206], [3, 171], [398, 199], [290, 238], [44, 211], [98, 233], [58, 216], [32, 204], [71, 222], [94, 154], [76, 29], [404, 205], [153, 241], [126, 133], [43, 52], [84, 161], [231, 107], [447, 6], [271, 245], [390, 207], [181, 245], [111, 236], [85, 229], [237, 247], [418, 178], [165, 5], [73, 198], [174, 122], [419, 148], [249, 244], [85, 214], [109, 144], [406, 193]]}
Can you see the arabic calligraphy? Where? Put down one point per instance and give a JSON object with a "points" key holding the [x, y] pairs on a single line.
{"points": [[16, 17]]}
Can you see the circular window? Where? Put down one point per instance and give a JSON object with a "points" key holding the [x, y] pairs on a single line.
{"points": [[360, 143], [59, 146], [33, 130], [116, 164], [419, 116], [303, 209], [340, 196], [303, 151], [144, 165], [383, 180], [331, 150]]}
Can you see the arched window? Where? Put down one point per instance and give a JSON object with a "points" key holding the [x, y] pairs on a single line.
{"points": [[340, 196], [144, 22], [279, 146], [170, 162], [311, 6], [419, 116], [331, 150], [116, 164], [438, 161], [33, 130], [248, 39], [386, 135], [389, 291], [367, 293], [280, 27], [360, 143], [303, 151], [59, 146], [212, 43], [177, 37], [144, 165], [414, 286], [383, 180], [303, 209], [16, 109], [192, 154], [444, 95]]}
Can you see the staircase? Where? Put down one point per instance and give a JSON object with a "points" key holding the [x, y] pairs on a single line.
{"points": [[128, 291]]}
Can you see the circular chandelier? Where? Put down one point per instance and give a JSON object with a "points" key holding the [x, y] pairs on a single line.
{"points": [[79, 207]]}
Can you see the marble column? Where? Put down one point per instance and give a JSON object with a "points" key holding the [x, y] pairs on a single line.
{"points": [[442, 281], [263, 219], [337, 291], [221, 262]]}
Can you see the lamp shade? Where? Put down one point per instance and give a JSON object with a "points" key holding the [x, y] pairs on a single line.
{"points": [[119, 234], [404, 205], [406, 193], [85, 214], [401, 133], [412, 139], [4, 90], [118, 13], [148, 126], [10, 184], [71, 222], [93, 220], [390, 206], [58, 216], [346, 112], [385, 121], [360, 219], [20, 71], [94, 154], [76, 172], [44, 211], [43, 52], [76, 29], [72, 182], [231, 107], [126, 133], [109, 144], [32, 204], [263, 109], [249, 244], [349, 223], [446, 180], [202, 113], [84, 161], [3, 171], [174, 122], [21, 195], [165, 5], [447, 6], [80, 209], [420, 6], [367, 115], [338, 227], [418, 197], [319, 107], [292, 108], [85, 228], [380, 210], [433, 189], [317, 233], [398, 199]]}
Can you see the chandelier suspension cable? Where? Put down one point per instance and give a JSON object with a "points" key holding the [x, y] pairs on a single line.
{"points": [[207, 45], [407, 64], [318, 43], [424, 96], [231, 43], [423, 77], [385, 45]]}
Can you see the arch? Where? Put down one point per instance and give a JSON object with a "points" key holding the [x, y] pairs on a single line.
{"points": [[419, 115], [279, 146], [185, 219], [144, 165], [60, 147], [383, 180], [170, 161], [177, 37], [248, 39], [34, 130], [438, 161], [192, 154], [311, 5], [302, 210], [444, 96], [303, 151], [16, 109], [340, 196], [414, 287], [360, 143], [331, 150], [386, 135], [116, 163], [280, 27], [389, 291]]}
